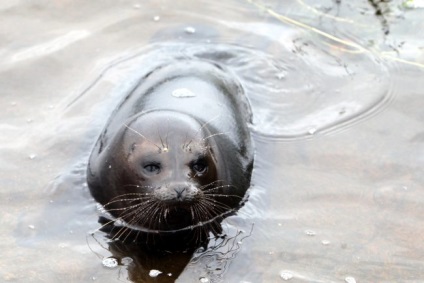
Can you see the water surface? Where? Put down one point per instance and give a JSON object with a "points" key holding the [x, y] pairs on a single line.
{"points": [[336, 91]]}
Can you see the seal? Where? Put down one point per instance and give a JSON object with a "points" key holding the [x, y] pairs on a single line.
{"points": [[176, 154]]}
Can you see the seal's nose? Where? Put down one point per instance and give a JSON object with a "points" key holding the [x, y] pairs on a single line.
{"points": [[180, 191]]}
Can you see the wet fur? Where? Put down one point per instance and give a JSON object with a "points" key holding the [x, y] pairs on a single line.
{"points": [[137, 211]]}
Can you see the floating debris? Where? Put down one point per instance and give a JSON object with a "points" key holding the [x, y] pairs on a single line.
{"points": [[156, 18], [110, 262], [137, 6], [204, 280], [411, 4], [32, 156], [350, 279], [31, 227]]}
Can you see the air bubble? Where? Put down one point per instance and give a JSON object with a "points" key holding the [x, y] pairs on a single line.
{"points": [[325, 242], [190, 30], [285, 275], [154, 273], [310, 233], [312, 131], [110, 262], [280, 75]]}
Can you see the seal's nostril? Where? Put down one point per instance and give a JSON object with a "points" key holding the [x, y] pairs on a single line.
{"points": [[180, 192]]}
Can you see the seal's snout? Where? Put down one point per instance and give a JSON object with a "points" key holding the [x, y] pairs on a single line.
{"points": [[182, 192]]}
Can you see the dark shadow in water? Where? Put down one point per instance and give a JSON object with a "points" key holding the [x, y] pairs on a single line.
{"points": [[168, 252]]}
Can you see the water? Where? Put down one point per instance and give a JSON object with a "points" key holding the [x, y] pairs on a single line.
{"points": [[335, 88]]}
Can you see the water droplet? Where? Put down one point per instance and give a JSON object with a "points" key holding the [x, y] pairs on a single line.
{"points": [[32, 156], [183, 92], [110, 262], [156, 18], [350, 279], [31, 227], [204, 280], [154, 273], [310, 233], [190, 30], [285, 275]]}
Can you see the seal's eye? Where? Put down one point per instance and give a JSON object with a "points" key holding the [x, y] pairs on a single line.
{"points": [[152, 168], [199, 166]]}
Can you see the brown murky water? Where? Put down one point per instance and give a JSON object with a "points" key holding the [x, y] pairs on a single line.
{"points": [[336, 89]]}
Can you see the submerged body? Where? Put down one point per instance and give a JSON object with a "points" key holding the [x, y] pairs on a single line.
{"points": [[176, 154]]}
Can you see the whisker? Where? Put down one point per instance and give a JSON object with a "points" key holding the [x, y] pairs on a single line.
{"points": [[141, 135], [206, 123], [213, 135]]}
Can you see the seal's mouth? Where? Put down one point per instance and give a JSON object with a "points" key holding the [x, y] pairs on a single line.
{"points": [[179, 217]]}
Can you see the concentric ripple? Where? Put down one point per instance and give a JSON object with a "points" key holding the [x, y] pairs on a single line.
{"points": [[302, 87]]}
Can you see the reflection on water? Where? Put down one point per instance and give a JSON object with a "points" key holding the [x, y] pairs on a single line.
{"points": [[337, 191]]}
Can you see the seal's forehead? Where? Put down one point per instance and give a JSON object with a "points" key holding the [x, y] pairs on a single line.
{"points": [[155, 138], [165, 123]]}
